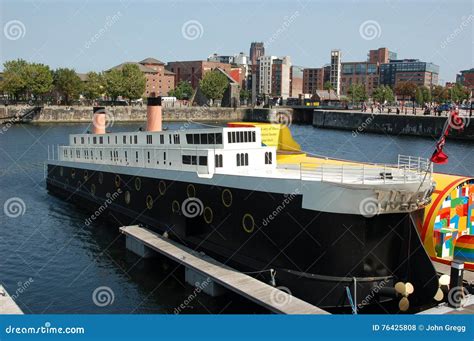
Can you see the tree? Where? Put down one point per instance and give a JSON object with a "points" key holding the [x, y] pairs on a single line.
{"points": [[133, 81], [426, 94], [15, 79], [94, 86], [67, 83], [406, 90], [357, 93], [459, 93], [440, 94], [328, 86], [183, 90], [40, 79], [113, 83], [419, 96], [214, 84], [244, 94], [383, 94]]}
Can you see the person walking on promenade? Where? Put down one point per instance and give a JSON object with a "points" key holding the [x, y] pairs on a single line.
{"points": [[398, 111]]}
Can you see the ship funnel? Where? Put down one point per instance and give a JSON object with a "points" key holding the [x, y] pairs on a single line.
{"points": [[99, 120], [153, 114]]}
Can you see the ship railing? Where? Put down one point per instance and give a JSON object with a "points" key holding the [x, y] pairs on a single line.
{"points": [[415, 163], [408, 170]]}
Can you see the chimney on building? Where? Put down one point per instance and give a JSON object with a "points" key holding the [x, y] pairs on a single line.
{"points": [[153, 114], [98, 120]]}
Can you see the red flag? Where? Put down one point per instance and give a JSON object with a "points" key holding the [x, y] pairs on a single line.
{"points": [[439, 156]]}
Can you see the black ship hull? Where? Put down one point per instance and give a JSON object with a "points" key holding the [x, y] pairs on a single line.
{"points": [[323, 258]]}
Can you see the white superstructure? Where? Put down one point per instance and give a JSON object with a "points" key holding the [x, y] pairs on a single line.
{"points": [[236, 157]]}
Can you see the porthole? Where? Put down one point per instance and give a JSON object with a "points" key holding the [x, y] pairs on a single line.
{"points": [[162, 187], [93, 189], [127, 197], [73, 173], [101, 178], [86, 175], [191, 191], [175, 206], [138, 184], [117, 180], [248, 223], [226, 198], [149, 202], [61, 171], [208, 215]]}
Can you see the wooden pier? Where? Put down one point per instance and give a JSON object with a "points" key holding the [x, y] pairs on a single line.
{"points": [[7, 304], [245, 285]]}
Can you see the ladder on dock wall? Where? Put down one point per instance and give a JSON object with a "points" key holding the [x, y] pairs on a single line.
{"points": [[244, 285]]}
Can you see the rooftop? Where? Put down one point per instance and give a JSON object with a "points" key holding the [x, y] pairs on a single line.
{"points": [[151, 60]]}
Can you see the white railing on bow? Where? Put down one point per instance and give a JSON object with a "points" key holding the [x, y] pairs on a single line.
{"points": [[408, 169]]}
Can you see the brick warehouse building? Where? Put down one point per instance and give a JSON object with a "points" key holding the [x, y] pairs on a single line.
{"points": [[313, 79], [364, 73], [159, 81], [193, 71], [466, 78]]}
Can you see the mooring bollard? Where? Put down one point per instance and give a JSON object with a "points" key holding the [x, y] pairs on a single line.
{"points": [[455, 286]]}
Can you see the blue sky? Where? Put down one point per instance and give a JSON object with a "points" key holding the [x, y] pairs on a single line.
{"points": [[61, 33]]}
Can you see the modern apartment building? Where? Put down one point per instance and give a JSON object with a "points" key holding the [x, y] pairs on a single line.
{"points": [[409, 70]]}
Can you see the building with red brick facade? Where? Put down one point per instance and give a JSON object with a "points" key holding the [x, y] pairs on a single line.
{"points": [[381, 56], [364, 73], [159, 81], [193, 71], [466, 78], [313, 79]]}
